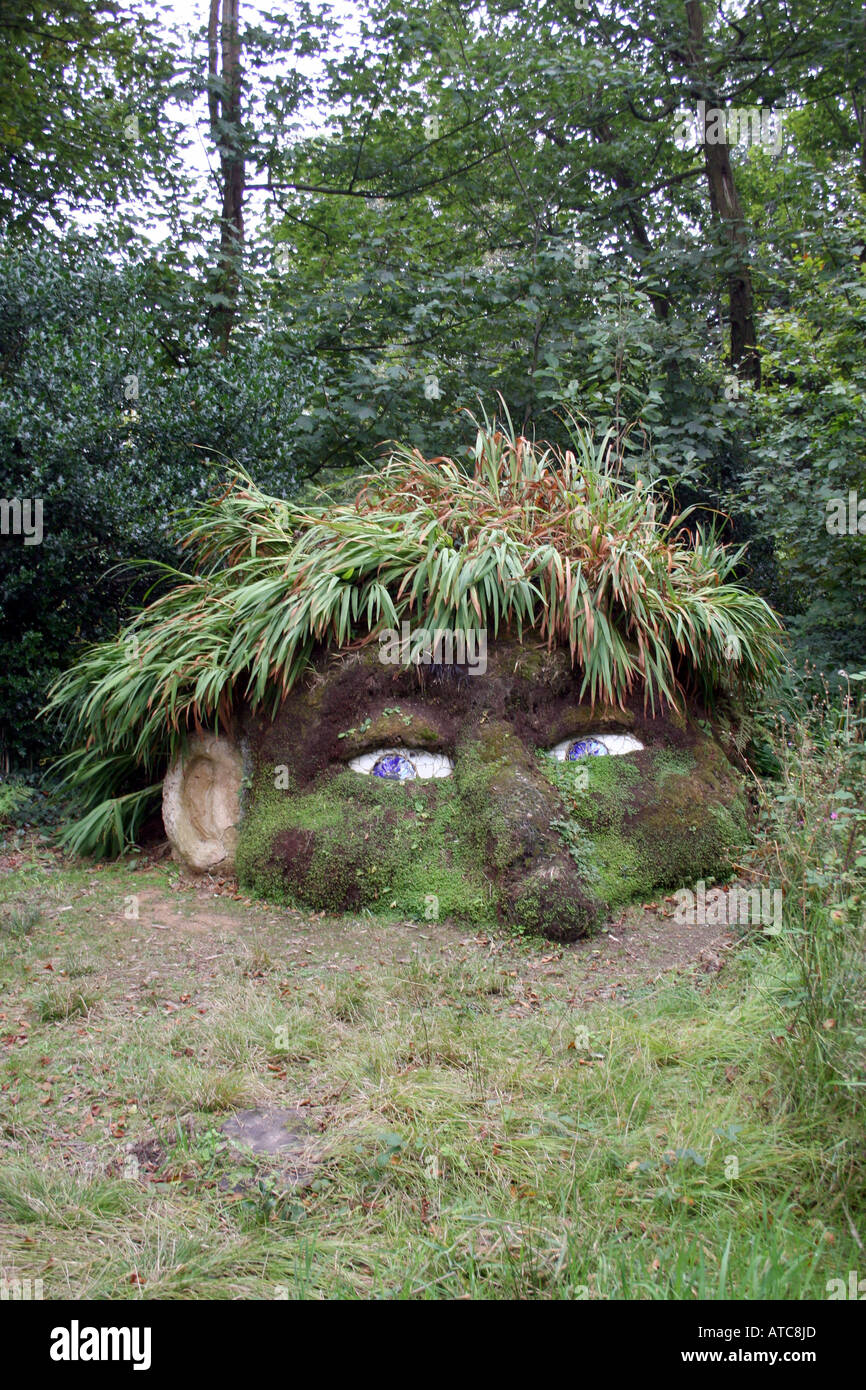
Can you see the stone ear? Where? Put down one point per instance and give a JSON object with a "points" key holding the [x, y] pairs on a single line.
{"points": [[201, 804]]}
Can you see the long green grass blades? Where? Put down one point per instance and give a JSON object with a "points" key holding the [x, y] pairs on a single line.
{"points": [[528, 540]]}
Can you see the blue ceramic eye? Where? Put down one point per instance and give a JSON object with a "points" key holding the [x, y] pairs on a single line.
{"points": [[585, 748], [395, 767]]}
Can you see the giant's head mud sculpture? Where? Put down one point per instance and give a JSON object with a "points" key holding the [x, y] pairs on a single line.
{"points": [[467, 694]]}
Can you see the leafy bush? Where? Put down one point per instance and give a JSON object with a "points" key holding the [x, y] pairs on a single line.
{"points": [[12, 794], [116, 412]]}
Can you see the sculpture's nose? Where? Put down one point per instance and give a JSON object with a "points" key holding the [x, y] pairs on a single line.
{"points": [[544, 892], [553, 901]]}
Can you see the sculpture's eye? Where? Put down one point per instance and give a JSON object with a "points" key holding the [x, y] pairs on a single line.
{"points": [[403, 764], [595, 746], [584, 748], [395, 767]]}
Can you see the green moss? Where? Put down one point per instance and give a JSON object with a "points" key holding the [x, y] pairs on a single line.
{"points": [[533, 915], [553, 903], [666, 764], [654, 821], [477, 768], [597, 791], [361, 842], [623, 871], [580, 846]]}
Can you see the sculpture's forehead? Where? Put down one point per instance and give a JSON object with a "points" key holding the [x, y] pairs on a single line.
{"points": [[527, 694], [498, 677], [512, 683]]}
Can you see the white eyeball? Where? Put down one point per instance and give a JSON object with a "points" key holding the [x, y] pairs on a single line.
{"points": [[403, 764], [595, 746]]}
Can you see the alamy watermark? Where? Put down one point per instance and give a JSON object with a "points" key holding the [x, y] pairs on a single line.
{"points": [[735, 907], [854, 1289], [16, 1290], [22, 516], [441, 646], [729, 125], [77, 1343], [846, 516]]}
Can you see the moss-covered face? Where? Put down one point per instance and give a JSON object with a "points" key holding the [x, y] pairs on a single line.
{"points": [[494, 825]]}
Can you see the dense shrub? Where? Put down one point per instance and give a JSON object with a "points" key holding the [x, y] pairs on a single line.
{"points": [[116, 412]]}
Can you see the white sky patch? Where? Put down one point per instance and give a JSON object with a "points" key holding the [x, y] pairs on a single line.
{"points": [[199, 156]]}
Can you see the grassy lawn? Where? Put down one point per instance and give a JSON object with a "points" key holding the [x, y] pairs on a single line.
{"points": [[480, 1116]]}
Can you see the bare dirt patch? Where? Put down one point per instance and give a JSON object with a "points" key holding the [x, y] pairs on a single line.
{"points": [[206, 917]]}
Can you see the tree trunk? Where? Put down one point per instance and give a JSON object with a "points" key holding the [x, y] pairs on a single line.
{"points": [[726, 207], [224, 104], [624, 181]]}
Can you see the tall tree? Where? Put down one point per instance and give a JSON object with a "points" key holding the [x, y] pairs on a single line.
{"points": [[726, 206], [225, 81]]}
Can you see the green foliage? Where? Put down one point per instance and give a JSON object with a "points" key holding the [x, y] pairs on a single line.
{"points": [[83, 108], [809, 446], [116, 412], [12, 796]]}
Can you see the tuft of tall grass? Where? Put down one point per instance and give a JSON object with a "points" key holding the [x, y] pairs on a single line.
{"points": [[812, 846], [19, 919], [528, 539]]}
